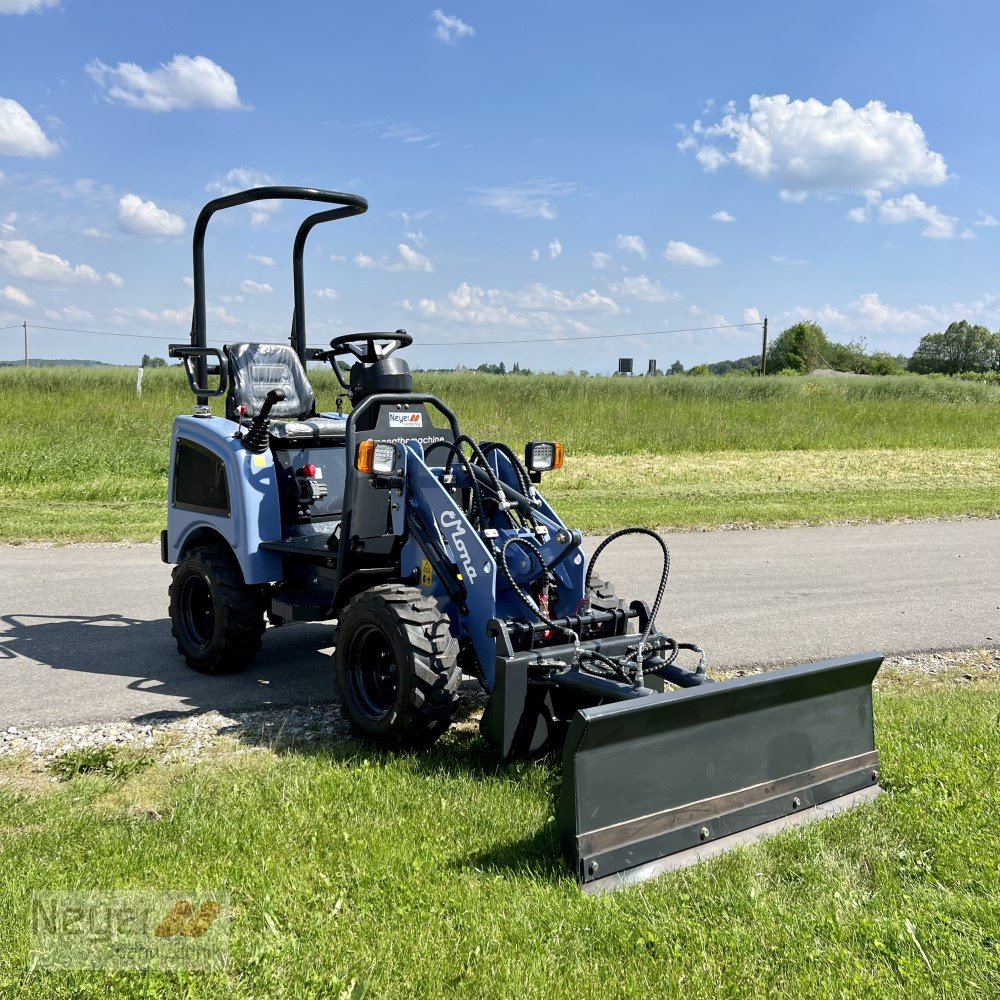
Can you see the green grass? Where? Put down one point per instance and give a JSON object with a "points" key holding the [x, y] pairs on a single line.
{"points": [[81, 458], [440, 875]]}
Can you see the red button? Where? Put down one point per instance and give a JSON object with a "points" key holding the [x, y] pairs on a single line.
{"points": [[309, 470]]}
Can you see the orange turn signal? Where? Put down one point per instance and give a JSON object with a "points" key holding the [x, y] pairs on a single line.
{"points": [[559, 457], [365, 460]]}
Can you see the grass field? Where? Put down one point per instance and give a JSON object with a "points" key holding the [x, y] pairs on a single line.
{"points": [[81, 457], [359, 875]]}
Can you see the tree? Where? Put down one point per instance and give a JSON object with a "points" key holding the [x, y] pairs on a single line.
{"points": [[961, 348], [676, 368], [148, 362]]}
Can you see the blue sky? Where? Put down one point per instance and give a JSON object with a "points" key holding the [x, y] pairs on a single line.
{"points": [[539, 172]]}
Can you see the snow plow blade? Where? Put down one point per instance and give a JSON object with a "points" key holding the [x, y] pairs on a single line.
{"points": [[657, 783]]}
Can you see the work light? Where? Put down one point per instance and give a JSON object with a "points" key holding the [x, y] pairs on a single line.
{"points": [[543, 456]]}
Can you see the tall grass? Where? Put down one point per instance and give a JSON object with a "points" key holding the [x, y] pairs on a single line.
{"points": [[82, 436]]}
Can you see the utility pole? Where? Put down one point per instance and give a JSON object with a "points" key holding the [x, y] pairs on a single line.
{"points": [[25, 343], [763, 351]]}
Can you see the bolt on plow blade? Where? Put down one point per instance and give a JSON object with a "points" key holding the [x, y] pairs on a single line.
{"points": [[655, 784]]}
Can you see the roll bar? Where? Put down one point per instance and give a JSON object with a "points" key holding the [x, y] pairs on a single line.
{"points": [[351, 204]]}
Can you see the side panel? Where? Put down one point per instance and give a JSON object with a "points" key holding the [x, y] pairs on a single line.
{"points": [[254, 515]]}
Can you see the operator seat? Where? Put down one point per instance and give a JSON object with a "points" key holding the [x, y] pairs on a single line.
{"points": [[255, 369]]}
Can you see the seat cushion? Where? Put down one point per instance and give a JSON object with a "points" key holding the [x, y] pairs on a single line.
{"points": [[303, 432], [255, 369]]}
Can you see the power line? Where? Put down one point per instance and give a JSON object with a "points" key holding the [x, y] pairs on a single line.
{"points": [[105, 333], [16, 326], [573, 340]]}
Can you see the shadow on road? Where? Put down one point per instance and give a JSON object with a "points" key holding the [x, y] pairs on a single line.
{"points": [[289, 670]]}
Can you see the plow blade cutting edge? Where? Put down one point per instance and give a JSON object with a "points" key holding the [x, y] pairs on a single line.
{"points": [[658, 783]]}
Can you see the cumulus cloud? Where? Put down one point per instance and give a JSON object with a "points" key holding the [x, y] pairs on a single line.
{"points": [[20, 134], [809, 147], [183, 83], [527, 200], [723, 216], [535, 255], [96, 234], [255, 287], [631, 244], [449, 29], [752, 315], [535, 307], [26, 6], [24, 260], [13, 294], [601, 261], [985, 219], [241, 179], [678, 252], [114, 280], [260, 259], [146, 218], [642, 287], [910, 208], [326, 293], [555, 248], [788, 261], [72, 313], [408, 260]]}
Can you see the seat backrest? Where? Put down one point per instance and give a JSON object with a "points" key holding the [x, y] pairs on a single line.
{"points": [[255, 369]]}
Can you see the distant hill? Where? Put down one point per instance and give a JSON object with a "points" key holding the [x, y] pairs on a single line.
{"points": [[60, 363]]}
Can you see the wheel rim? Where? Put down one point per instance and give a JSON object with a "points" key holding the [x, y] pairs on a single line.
{"points": [[372, 674], [197, 612]]}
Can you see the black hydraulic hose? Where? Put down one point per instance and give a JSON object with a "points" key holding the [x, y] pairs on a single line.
{"points": [[455, 451], [519, 470], [660, 590]]}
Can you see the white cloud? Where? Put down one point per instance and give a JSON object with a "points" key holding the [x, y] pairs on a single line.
{"points": [[255, 287], [71, 313], [858, 214], [260, 259], [13, 294], [26, 6], [527, 200], [114, 280], [146, 218], [631, 244], [678, 252], [20, 134], [24, 260], [601, 261], [788, 261], [723, 216], [535, 255], [807, 146], [535, 307], [642, 287], [326, 293], [185, 82], [239, 179], [450, 28], [406, 132], [187, 280], [985, 219], [752, 315], [910, 208], [96, 234], [555, 248], [414, 236], [409, 260]]}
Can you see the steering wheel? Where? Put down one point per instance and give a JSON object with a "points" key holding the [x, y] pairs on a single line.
{"points": [[368, 347]]}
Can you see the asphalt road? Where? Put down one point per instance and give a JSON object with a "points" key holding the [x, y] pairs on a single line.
{"points": [[84, 636]]}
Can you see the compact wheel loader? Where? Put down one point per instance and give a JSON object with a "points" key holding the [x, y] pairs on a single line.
{"points": [[438, 557]]}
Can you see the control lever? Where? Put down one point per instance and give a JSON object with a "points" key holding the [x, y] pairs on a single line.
{"points": [[256, 437]]}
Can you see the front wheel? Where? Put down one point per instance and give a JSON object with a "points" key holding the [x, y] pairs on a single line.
{"points": [[397, 667], [215, 617]]}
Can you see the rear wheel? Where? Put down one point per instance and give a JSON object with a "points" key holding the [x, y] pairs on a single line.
{"points": [[397, 668], [215, 617]]}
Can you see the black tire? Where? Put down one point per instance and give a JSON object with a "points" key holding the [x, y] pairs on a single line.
{"points": [[603, 597], [215, 617], [397, 667]]}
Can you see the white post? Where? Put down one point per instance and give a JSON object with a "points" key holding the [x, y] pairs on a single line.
{"points": [[138, 381]]}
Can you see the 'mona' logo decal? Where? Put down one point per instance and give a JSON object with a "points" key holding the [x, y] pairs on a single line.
{"points": [[452, 525], [406, 420]]}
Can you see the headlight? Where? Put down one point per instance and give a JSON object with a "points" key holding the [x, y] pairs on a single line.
{"points": [[384, 459], [543, 456], [375, 459]]}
